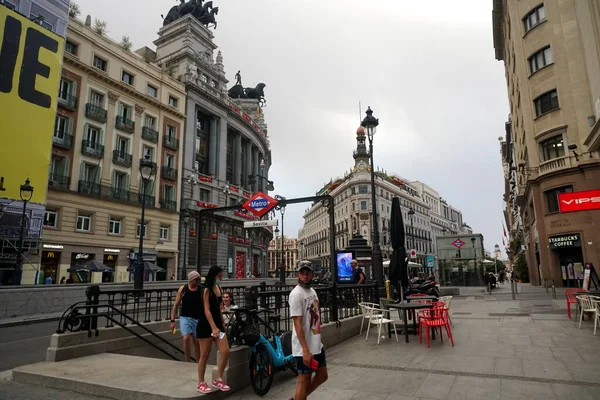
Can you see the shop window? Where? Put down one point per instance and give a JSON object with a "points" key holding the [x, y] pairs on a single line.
{"points": [[50, 219], [552, 197]]}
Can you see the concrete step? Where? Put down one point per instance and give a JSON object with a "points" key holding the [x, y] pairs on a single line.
{"points": [[121, 377]]}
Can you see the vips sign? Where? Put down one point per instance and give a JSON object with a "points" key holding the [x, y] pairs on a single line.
{"points": [[579, 201], [30, 68]]}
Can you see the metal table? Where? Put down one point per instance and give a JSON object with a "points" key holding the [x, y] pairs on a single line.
{"points": [[412, 307], [432, 298]]}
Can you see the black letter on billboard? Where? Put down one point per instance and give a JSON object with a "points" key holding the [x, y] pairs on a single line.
{"points": [[9, 53], [32, 67]]}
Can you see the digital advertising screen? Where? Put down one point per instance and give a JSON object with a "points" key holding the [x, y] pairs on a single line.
{"points": [[344, 269]]}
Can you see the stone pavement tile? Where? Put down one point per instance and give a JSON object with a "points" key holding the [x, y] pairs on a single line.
{"points": [[423, 361], [586, 355], [435, 386], [519, 390], [472, 388], [546, 369], [387, 382], [398, 397], [584, 372], [478, 348], [459, 363], [568, 355], [509, 366], [595, 391], [572, 392], [540, 340], [534, 352], [17, 391]]}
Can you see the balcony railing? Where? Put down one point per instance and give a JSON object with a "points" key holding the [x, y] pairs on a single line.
{"points": [[149, 134], [66, 141], [95, 112], [121, 194], [93, 149], [171, 142], [555, 164], [58, 181], [149, 200], [170, 205], [67, 100], [89, 188], [122, 158], [124, 124], [169, 173]]}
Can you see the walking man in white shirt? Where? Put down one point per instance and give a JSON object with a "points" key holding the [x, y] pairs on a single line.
{"points": [[306, 334]]}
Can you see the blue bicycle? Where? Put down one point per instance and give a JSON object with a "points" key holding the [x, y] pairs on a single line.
{"points": [[268, 355]]}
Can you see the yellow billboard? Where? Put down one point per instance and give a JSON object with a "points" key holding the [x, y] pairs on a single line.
{"points": [[30, 70]]}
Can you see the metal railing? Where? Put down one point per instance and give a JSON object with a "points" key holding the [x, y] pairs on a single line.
{"points": [[66, 141], [122, 158], [95, 112], [171, 142], [150, 134], [67, 100], [124, 124]]}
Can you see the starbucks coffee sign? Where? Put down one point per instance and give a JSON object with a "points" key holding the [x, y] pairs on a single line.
{"points": [[564, 241]]}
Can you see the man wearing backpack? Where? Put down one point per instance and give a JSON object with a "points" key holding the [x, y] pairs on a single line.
{"points": [[190, 298]]}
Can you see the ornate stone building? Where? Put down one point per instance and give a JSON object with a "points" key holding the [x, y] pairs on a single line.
{"points": [[225, 147], [425, 213], [283, 250]]}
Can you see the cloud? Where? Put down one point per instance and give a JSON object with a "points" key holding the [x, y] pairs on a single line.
{"points": [[427, 69]]}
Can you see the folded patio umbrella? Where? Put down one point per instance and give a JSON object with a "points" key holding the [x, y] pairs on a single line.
{"points": [[90, 266], [398, 260]]}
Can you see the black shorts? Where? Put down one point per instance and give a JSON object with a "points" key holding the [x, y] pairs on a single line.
{"points": [[321, 358], [204, 331]]}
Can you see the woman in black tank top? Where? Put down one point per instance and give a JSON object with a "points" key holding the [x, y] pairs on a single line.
{"points": [[211, 328]]}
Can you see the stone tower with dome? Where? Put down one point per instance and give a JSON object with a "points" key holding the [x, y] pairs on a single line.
{"points": [[361, 155]]}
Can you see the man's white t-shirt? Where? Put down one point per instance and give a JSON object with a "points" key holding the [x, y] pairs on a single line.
{"points": [[305, 303]]}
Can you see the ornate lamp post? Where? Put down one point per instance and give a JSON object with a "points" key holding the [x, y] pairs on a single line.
{"points": [[252, 178], [147, 170], [282, 261], [26, 194], [370, 124], [276, 248], [185, 216], [411, 214]]}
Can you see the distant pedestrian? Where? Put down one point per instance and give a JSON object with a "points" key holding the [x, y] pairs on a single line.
{"points": [[307, 347], [48, 280], [63, 280], [358, 276], [173, 277], [190, 298]]}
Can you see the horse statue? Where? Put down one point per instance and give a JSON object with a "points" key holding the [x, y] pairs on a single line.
{"points": [[181, 10], [257, 93], [237, 92], [206, 20]]}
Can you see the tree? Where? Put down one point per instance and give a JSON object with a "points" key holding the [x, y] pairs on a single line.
{"points": [[99, 26], [126, 43], [74, 10], [520, 269]]}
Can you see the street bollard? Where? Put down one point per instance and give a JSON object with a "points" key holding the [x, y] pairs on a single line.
{"points": [[546, 284], [553, 290], [512, 288]]}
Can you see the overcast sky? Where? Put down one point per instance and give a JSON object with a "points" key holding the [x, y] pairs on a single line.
{"points": [[426, 68]]}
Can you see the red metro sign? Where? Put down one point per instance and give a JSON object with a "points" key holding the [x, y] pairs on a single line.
{"points": [[260, 204], [579, 201]]}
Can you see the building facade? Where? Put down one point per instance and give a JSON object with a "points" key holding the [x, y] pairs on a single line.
{"points": [[425, 213], [51, 14], [115, 108], [551, 54], [283, 250], [225, 147]]}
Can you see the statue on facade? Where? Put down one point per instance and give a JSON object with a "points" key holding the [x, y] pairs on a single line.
{"points": [[193, 72], [237, 91], [238, 79], [205, 14]]}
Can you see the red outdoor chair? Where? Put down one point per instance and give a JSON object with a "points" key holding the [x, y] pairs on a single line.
{"points": [[571, 298], [435, 318]]}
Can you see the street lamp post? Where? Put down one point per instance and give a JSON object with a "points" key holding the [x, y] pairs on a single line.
{"points": [[411, 213], [370, 124], [276, 249], [282, 266], [26, 194], [147, 170], [186, 221]]}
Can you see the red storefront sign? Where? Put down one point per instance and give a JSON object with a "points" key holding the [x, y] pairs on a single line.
{"points": [[579, 201]]}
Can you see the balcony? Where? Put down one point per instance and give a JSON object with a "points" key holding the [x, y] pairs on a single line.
{"points": [[66, 141], [89, 188], [169, 173], [121, 194], [95, 112], [124, 124], [67, 101], [122, 158], [170, 205], [149, 134], [92, 149], [58, 181], [148, 200], [171, 142], [555, 164]]}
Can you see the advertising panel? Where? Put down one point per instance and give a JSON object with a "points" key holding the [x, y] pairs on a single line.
{"points": [[579, 201]]}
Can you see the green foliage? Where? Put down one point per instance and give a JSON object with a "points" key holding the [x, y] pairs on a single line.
{"points": [[520, 269], [74, 10], [126, 43], [100, 26]]}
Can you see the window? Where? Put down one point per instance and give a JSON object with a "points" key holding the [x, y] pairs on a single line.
{"points": [[121, 181], [84, 222], [172, 101], [205, 195], [169, 192], [92, 135], [213, 83], [71, 47], [126, 112], [114, 226], [62, 127], [59, 167], [534, 18], [553, 148], [151, 91], [171, 131], [122, 146], [149, 151], [40, 20], [100, 63], [89, 173], [204, 78], [9, 4], [170, 161], [552, 197], [363, 189], [66, 89], [127, 78], [546, 103], [96, 98], [363, 205], [202, 147], [150, 122], [540, 59], [50, 219], [164, 233], [137, 231]]}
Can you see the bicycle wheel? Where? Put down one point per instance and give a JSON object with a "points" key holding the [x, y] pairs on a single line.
{"points": [[261, 370]]}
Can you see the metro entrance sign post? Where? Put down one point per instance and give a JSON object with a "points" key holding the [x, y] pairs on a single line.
{"points": [[458, 243], [260, 204]]}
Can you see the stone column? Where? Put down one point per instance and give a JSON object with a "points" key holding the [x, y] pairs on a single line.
{"points": [[237, 163], [262, 184], [222, 149], [256, 170], [248, 162], [212, 146], [109, 139]]}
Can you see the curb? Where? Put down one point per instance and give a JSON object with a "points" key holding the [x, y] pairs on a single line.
{"points": [[9, 324]]}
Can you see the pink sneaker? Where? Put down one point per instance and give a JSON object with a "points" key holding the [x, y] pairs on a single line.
{"points": [[203, 388], [222, 386]]}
